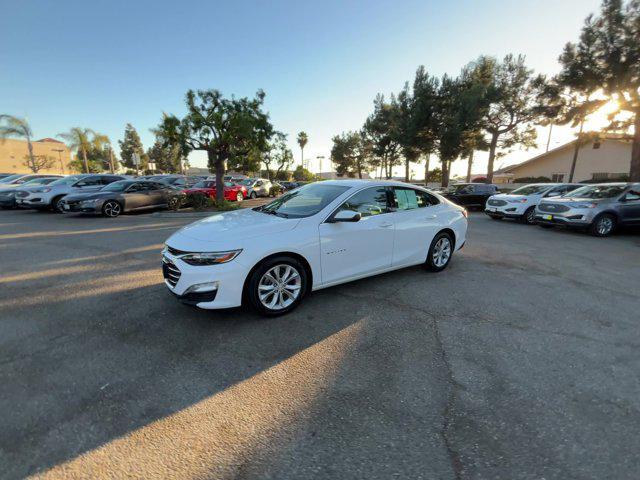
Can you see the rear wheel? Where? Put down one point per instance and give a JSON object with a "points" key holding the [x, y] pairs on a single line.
{"points": [[277, 286], [603, 225], [529, 216], [440, 252], [495, 217], [111, 208]]}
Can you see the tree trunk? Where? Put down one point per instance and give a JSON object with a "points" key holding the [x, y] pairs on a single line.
{"points": [[492, 156], [302, 156], [217, 161], [469, 165], [32, 160], [445, 174], [634, 170], [84, 159], [576, 151], [406, 169], [426, 169], [111, 164], [359, 168]]}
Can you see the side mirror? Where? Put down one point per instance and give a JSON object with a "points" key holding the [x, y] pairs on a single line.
{"points": [[346, 216]]}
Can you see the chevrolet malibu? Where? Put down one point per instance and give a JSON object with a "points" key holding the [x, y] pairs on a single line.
{"points": [[317, 236]]}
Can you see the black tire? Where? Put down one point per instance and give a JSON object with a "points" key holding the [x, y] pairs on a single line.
{"points": [[253, 195], [252, 288], [56, 206], [239, 197], [174, 203], [495, 217], [432, 263], [546, 225], [529, 217], [603, 225], [111, 209]]}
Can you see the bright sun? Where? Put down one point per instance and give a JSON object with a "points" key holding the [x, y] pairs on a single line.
{"points": [[600, 118]]}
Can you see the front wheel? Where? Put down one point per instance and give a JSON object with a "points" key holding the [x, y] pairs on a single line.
{"points": [[440, 252], [56, 204], [174, 203], [277, 286], [529, 216], [253, 195], [239, 197], [111, 209], [603, 225]]}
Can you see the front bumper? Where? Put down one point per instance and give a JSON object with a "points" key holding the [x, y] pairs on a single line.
{"points": [[229, 276], [574, 217], [80, 208], [7, 202], [510, 210]]}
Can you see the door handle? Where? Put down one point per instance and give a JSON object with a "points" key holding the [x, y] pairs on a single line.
{"points": [[386, 225]]}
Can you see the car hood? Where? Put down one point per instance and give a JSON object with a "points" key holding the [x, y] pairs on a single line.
{"points": [[510, 196], [242, 224], [576, 199], [90, 196]]}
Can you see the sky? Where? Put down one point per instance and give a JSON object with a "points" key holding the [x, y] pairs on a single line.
{"points": [[103, 64]]}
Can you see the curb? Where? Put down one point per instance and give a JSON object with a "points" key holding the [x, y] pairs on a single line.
{"points": [[184, 214]]}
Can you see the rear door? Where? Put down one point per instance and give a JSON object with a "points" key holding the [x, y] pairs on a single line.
{"points": [[630, 207], [416, 223], [351, 249], [154, 194]]}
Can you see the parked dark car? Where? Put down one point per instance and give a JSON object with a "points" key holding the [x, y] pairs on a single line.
{"points": [[471, 194], [124, 196], [289, 185]]}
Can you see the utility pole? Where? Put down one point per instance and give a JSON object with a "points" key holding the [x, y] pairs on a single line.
{"points": [[549, 138]]}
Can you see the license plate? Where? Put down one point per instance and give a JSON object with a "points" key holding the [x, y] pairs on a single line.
{"points": [[547, 217], [66, 207]]}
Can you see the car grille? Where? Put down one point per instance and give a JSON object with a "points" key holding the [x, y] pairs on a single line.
{"points": [[170, 272], [553, 207], [496, 203]]}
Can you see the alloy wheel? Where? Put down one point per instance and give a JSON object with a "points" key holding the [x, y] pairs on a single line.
{"points": [[239, 197], [279, 287], [531, 215], [605, 225], [441, 252], [111, 209]]}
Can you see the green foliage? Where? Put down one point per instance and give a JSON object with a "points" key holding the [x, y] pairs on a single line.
{"points": [[130, 145], [38, 162], [166, 157], [11, 126], [350, 154], [276, 190], [303, 139], [226, 128], [607, 57], [435, 175], [94, 166], [278, 156], [200, 201], [85, 141], [532, 180], [301, 174]]}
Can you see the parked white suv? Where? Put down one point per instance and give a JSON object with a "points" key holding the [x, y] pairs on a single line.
{"points": [[319, 235], [521, 203]]}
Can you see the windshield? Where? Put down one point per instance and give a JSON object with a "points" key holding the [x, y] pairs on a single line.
{"points": [[11, 178], [116, 186], [305, 201], [206, 184], [530, 190], [597, 191], [67, 180], [458, 188], [37, 181]]}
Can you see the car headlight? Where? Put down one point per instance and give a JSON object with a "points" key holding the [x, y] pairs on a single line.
{"points": [[583, 205], [208, 258]]}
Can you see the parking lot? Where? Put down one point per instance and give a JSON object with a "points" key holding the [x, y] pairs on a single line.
{"points": [[520, 360]]}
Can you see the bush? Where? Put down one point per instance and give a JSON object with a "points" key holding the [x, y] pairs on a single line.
{"points": [[532, 180], [276, 190], [200, 201]]}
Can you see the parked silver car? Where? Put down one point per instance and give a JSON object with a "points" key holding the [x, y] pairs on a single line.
{"points": [[51, 196], [257, 187], [599, 208]]}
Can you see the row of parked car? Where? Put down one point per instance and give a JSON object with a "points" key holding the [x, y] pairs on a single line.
{"points": [[598, 208], [111, 195]]}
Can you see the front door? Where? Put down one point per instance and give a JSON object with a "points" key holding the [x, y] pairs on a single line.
{"points": [[352, 249], [134, 196], [630, 208]]}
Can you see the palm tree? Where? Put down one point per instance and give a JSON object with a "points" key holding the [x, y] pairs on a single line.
{"points": [[302, 141], [100, 142], [11, 126], [78, 139]]}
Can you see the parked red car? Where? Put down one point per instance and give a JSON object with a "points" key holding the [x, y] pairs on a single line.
{"points": [[232, 191]]}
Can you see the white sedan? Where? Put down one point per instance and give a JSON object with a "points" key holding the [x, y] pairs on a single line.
{"points": [[317, 236]]}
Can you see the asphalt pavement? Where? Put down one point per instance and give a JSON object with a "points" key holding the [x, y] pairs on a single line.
{"points": [[520, 361]]}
